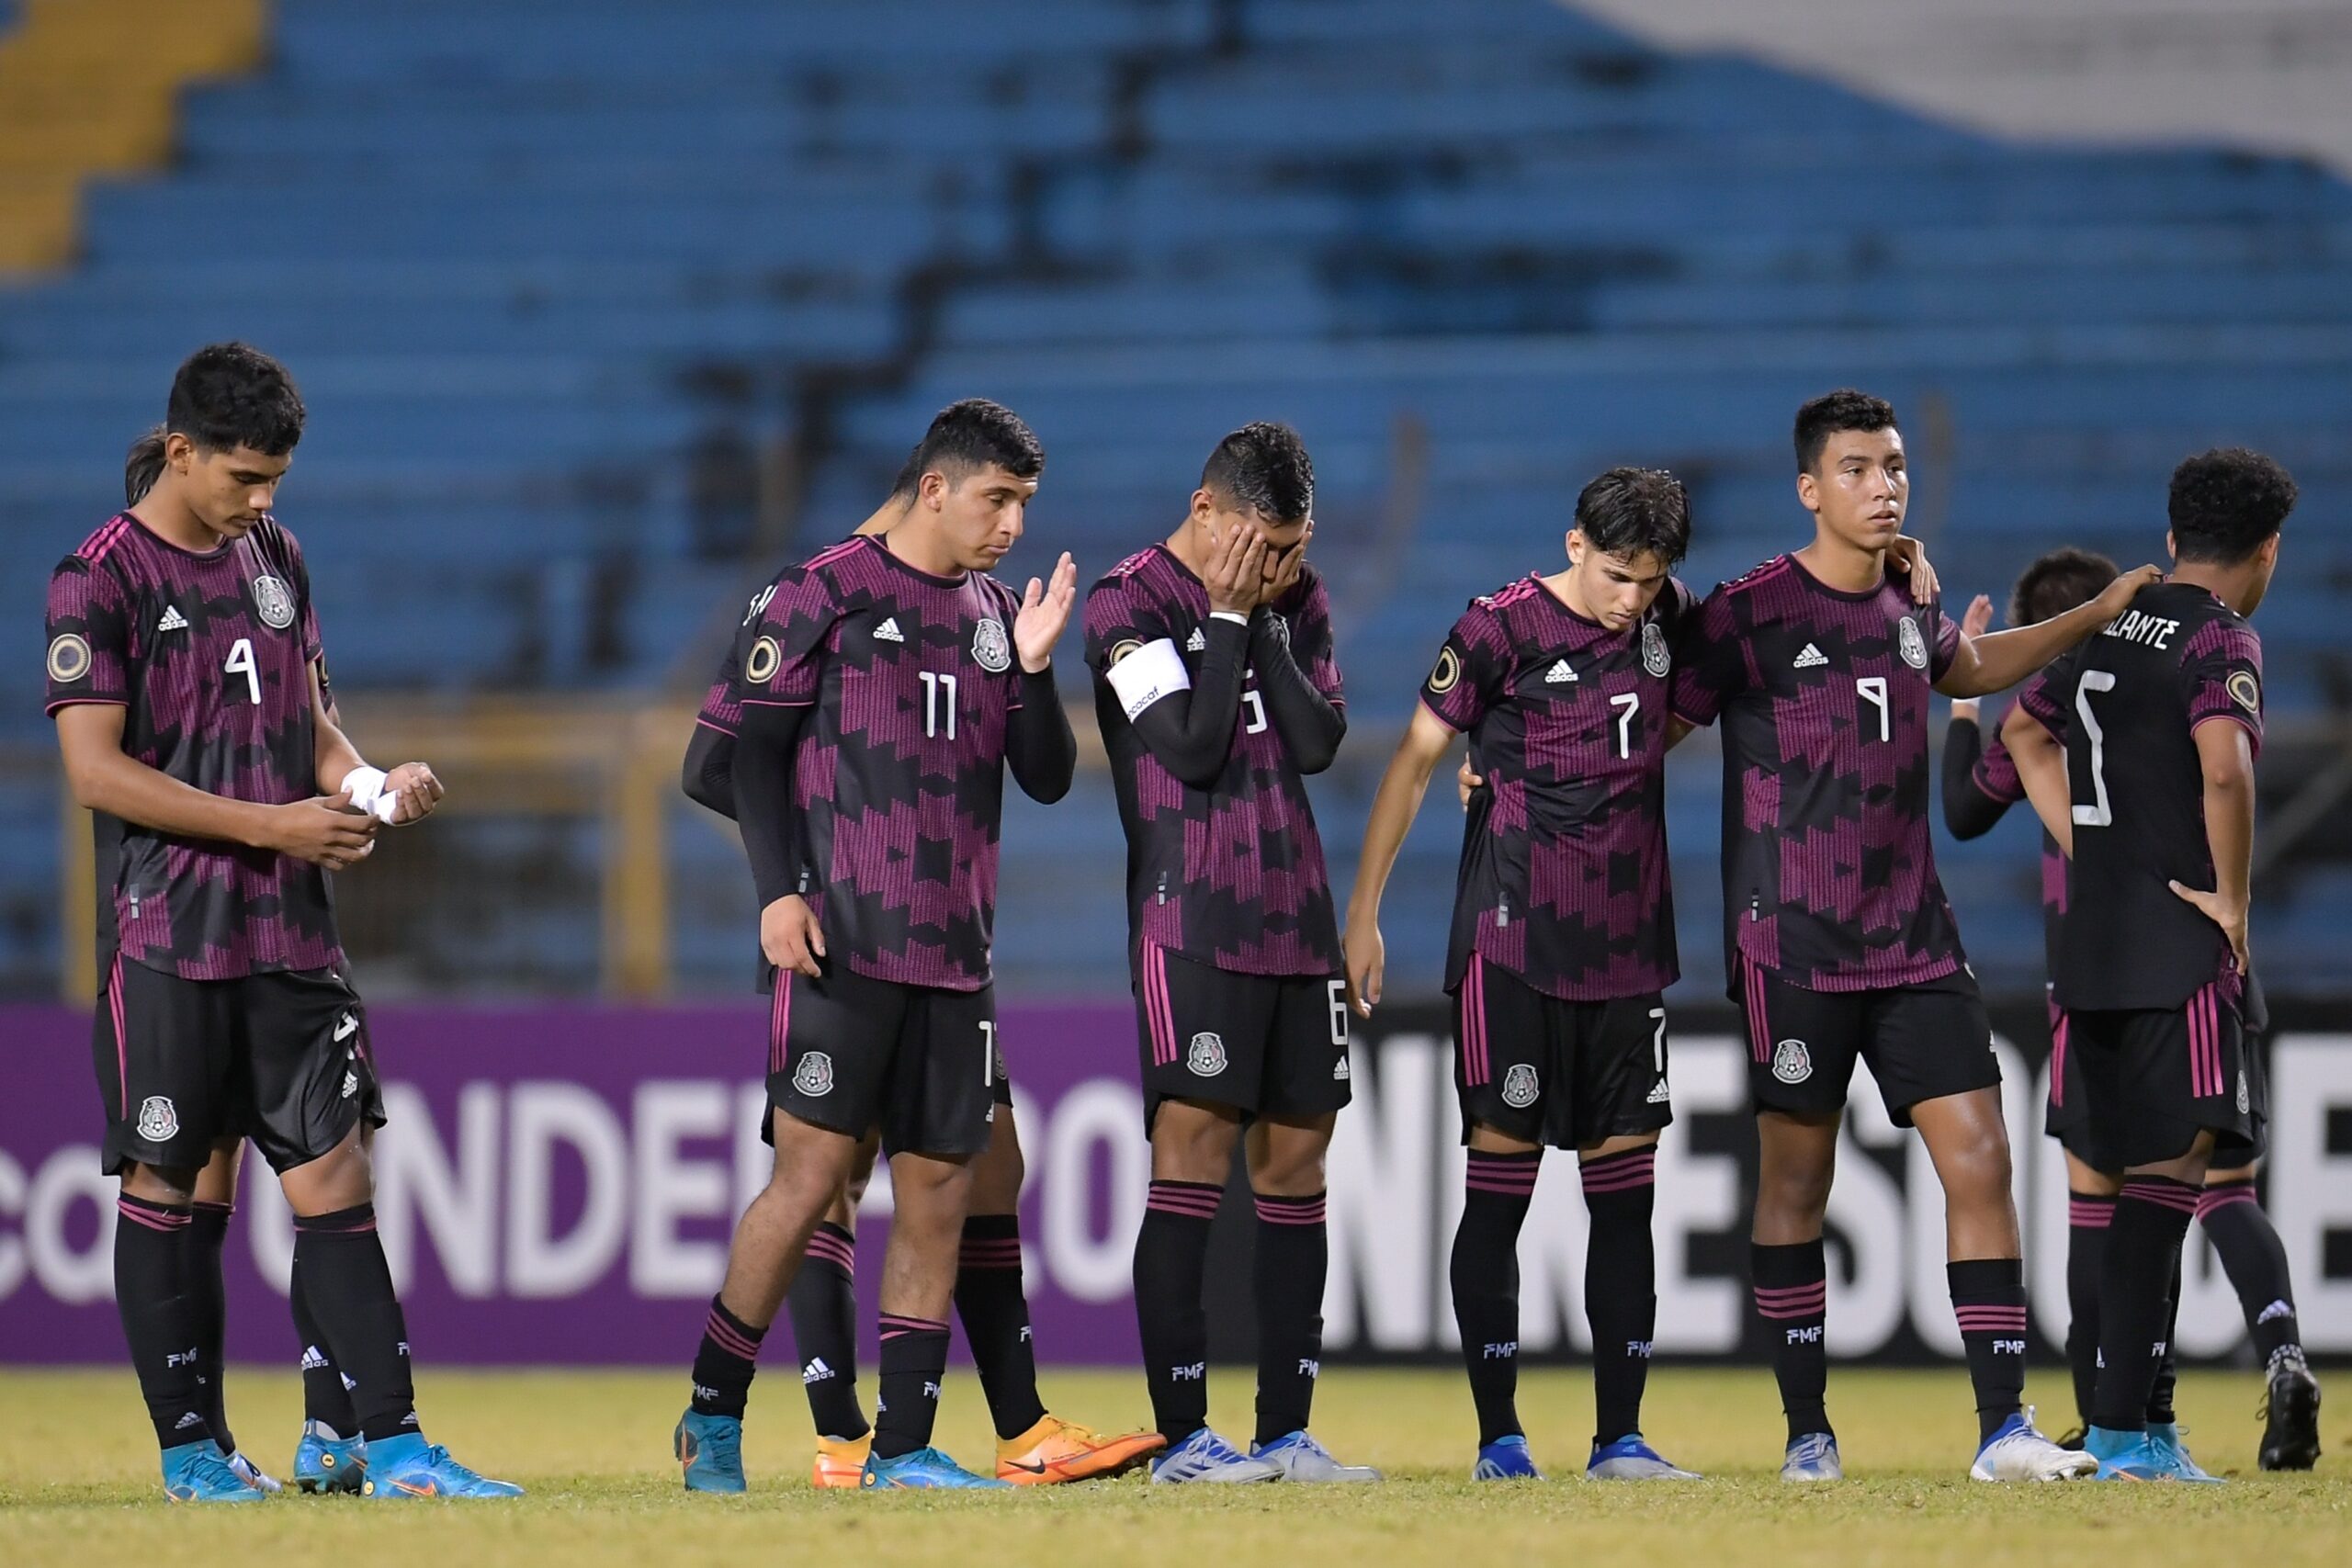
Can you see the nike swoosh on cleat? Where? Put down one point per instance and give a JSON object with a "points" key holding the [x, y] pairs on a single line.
{"points": [[418, 1489]]}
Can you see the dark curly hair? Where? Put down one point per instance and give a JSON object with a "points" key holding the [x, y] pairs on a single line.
{"points": [[968, 434], [229, 395], [142, 466], [2225, 502], [2056, 582], [1825, 415], [1635, 512], [1263, 467]]}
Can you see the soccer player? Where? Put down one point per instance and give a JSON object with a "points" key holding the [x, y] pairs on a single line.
{"points": [[2151, 965], [1563, 937], [878, 707], [1033, 1447], [331, 1455], [1839, 941], [187, 681], [1217, 693]]}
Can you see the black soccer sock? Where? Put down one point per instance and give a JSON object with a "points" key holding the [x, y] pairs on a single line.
{"points": [[326, 1398], [824, 1304], [161, 1320], [2142, 1248], [724, 1362], [1988, 1298], [1495, 1192], [2160, 1410], [914, 1361], [341, 1259], [2254, 1261], [2087, 1216], [1171, 1260], [1294, 1255], [1619, 1286], [1792, 1298], [995, 1312], [207, 1231]]}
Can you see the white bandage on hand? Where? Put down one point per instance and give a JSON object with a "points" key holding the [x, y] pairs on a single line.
{"points": [[1152, 671], [366, 787]]}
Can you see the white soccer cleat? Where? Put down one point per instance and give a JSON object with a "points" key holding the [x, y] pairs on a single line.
{"points": [[1206, 1457], [253, 1475], [2018, 1452], [1301, 1459], [1813, 1457]]}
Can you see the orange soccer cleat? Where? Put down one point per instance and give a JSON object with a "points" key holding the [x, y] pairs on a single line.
{"points": [[839, 1462], [1056, 1450]]}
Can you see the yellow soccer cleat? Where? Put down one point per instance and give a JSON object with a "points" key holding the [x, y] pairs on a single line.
{"points": [[1055, 1450], [840, 1462]]}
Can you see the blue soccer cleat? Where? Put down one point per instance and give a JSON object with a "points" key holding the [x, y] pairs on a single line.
{"points": [[200, 1473], [1207, 1458], [326, 1462], [1506, 1458], [2165, 1440], [408, 1467], [1813, 1457], [710, 1449], [2125, 1455], [1631, 1458], [925, 1470]]}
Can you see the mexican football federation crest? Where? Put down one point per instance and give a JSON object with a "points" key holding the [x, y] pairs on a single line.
{"points": [[814, 1076], [1792, 1063], [1205, 1058], [159, 1119], [991, 649], [1655, 658], [1910, 644], [272, 602], [1519, 1087]]}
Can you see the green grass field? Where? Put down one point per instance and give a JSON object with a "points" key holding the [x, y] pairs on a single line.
{"points": [[78, 1483]]}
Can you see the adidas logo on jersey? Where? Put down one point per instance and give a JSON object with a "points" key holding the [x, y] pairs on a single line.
{"points": [[888, 631], [1812, 658], [1659, 1096], [1559, 674], [1198, 642], [173, 620]]}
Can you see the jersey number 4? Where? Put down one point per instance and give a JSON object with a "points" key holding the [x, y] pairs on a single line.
{"points": [[241, 662]]}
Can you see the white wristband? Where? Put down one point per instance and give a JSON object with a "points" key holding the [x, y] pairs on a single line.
{"points": [[1236, 616], [365, 785]]}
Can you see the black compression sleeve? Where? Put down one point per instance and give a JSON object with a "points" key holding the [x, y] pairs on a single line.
{"points": [[1969, 812], [1191, 733], [709, 773], [1039, 744], [1310, 724], [763, 807]]}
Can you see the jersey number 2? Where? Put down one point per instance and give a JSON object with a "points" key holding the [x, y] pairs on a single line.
{"points": [[241, 662]]}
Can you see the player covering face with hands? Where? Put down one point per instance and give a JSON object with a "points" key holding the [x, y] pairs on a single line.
{"points": [[188, 678]]}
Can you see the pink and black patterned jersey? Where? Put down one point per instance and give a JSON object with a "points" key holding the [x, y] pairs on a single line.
{"points": [[210, 657], [1829, 872], [1232, 875], [1563, 875], [898, 775], [2128, 713]]}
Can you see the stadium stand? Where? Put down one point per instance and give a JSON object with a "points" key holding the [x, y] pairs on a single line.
{"points": [[585, 325]]}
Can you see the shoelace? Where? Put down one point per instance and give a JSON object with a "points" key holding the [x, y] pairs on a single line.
{"points": [[212, 1469], [1216, 1450]]}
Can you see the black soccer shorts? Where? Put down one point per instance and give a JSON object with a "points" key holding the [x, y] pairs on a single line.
{"points": [[850, 1053], [2154, 1077], [1922, 1041], [1545, 1070], [1266, 1044], [282, 1058]]}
